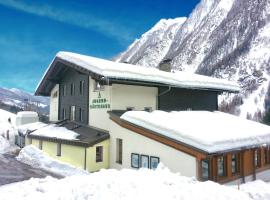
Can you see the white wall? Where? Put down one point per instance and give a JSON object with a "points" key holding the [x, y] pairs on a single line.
{"points": [[119, 97], [175, 160], [98, 117], [54, 102], [124, 96]]}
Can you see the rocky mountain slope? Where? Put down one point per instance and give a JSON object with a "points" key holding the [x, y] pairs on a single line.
{"points": [[221, 38], [23, 100]]}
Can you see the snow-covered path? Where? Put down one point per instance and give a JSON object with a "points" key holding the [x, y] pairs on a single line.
{"points": [[12, 170]]}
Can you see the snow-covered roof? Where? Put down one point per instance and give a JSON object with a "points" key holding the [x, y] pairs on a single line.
{"points": [[31, 127], [123, 71], [5, 115], [27, 114], [209, 131], [55, 131]]}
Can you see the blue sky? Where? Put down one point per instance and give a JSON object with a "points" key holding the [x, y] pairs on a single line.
{"points": [[32, 32]]}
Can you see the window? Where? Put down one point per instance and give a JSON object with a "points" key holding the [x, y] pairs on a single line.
{"points": [[130, 108], [64, 90], [81, 115], [235, 163], [30, 140], [64, 116], [81, 87], [154, 161], [205, 169], [99, 154], [221, 166], [40, 144], [119, 150], [72, 89], [267, 155], [98, 86], [148, 109], [72, 113], [58, 153], [257, 158], [144, 161]]}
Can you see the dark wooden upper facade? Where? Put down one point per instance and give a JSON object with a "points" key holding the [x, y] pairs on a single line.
{"points": [[187, 99], [74, 91]]}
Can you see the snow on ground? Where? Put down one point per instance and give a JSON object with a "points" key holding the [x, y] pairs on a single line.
{"points": [[4, 145], [257, 190], [54, 131], [199, 128], [33, 156], [118, 185], [5, 126]]}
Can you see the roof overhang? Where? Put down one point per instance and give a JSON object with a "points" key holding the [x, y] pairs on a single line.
{"points": [[59, 65]]}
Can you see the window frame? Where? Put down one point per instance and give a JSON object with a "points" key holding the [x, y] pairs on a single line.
{"points": [[64, 113], [58, 149], [135, 160], [40, 144], [224, 164], [72, 89], [64, 90], [130, 108], [237, 163], [119, 151], [99, 155], [208, 169], [82, 85], [148, 109], [257, 158], [72, 113], [81, 115], [151, 162]]}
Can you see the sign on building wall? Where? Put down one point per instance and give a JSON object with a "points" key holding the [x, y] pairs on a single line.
{"points": [[100, 103]]}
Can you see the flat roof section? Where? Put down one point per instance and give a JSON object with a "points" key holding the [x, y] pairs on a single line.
{"points": [[212, 132]]}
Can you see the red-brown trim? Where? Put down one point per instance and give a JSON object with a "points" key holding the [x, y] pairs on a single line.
{"points": [[159, 138]]}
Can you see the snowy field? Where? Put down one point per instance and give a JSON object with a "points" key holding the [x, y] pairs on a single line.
{"points": [[115, 185], [125, 184], [131, 184], [36, 158]]}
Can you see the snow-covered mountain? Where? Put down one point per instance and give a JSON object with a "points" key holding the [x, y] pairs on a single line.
{"points": [[22, 99], [222, 38]]}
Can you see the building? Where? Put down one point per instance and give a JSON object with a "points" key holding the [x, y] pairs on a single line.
{"points": [[96, 94], [207, 145]]}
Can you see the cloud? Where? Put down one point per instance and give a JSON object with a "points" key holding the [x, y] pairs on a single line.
{"points": [[80, 19]]}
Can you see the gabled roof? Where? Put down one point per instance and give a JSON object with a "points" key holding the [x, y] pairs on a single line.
{"points": [[211, 132], [109, 70]]}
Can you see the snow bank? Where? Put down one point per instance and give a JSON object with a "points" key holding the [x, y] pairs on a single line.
{"points": [[4, 145], [38, 159], [4, 115], [132, 72], [6, 126], [118, 185], [208, 131], [257, 190], [54, 131]]}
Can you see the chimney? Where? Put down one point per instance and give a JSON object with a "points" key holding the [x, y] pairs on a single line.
{"points": [[165, 65]]}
